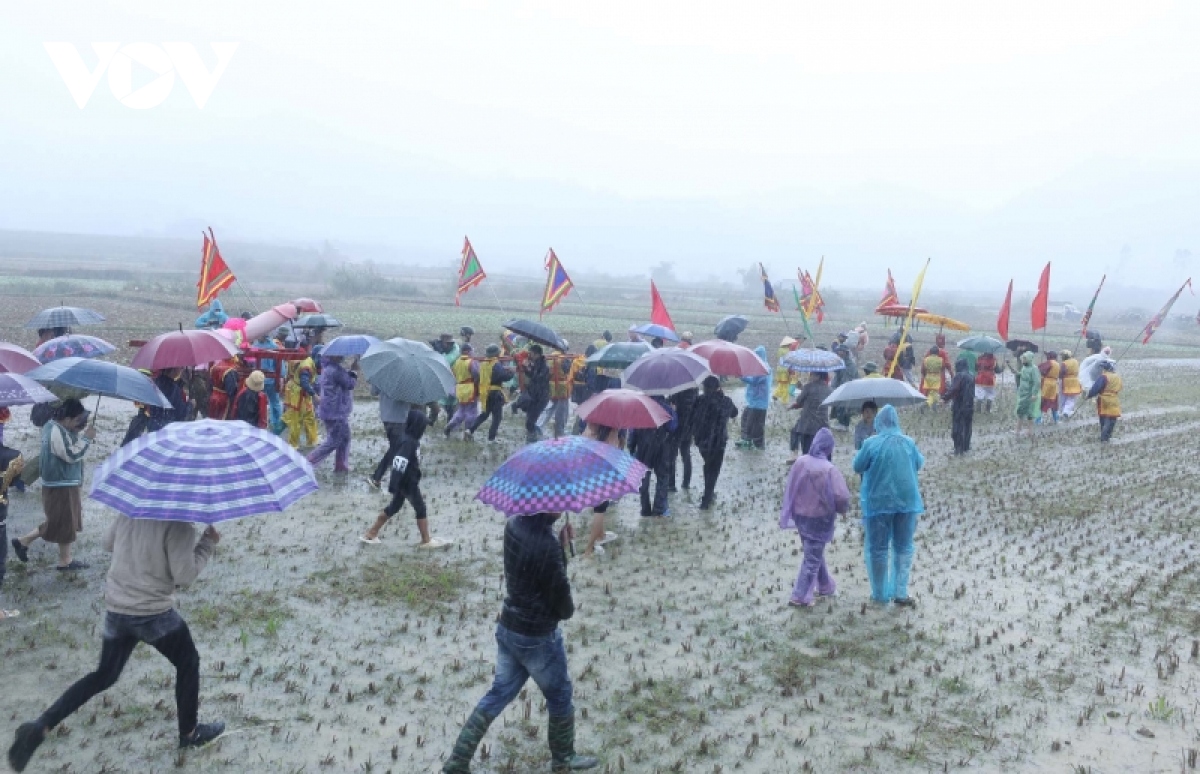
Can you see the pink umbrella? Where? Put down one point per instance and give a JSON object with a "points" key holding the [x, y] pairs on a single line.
{"points": [[623, 409], [183, 349], [308, 306], [259, 326], [16, 360], [728, 359]]}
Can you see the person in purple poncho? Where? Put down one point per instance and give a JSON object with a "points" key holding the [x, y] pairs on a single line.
{"points": [[336, 393], [815, 494]]}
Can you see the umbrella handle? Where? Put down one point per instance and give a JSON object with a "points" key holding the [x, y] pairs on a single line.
{"points": [[96, 412]]}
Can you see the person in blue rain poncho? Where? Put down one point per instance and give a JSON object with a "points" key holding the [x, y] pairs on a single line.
{"points": [[213, 317], [758, 398], [891, 502]]}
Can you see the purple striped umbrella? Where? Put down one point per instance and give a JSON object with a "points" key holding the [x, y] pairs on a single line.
{"points": [[203, 472], [665, 372], [565, 474], [17, 390]]}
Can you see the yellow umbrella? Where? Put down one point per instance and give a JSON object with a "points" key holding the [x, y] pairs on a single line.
{"points": [[942, 321]]}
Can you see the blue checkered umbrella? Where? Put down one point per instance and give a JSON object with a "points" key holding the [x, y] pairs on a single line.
{"points": [[64, 317], [812, 361], [565, 474]]}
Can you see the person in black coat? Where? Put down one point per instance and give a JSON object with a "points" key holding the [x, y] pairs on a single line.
{"points": [[961, 395], [530, 644], [537, 388], [405, 484], [653, 448], [685, 405], [710, 430], [152, 418]]}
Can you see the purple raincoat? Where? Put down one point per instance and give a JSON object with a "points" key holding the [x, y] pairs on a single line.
{"points": [[816, 490], [336, 386]]}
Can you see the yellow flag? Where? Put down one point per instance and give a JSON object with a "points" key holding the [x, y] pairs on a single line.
{"points": [[812, 301], [912, 305]]}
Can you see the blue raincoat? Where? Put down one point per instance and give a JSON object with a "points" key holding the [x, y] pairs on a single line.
{"points": [[888, 462], [214, 317], [758, 388]]}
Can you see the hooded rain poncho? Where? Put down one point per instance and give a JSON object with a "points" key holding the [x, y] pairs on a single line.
{"points": [[758, 388], [1029, 394], [888, 463], [816, 490]]}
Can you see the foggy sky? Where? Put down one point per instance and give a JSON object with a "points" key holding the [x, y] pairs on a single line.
{"points": [[711, 135]]}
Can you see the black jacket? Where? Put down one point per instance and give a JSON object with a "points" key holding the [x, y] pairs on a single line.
{"points": [[248, 407], [653, 446], [685, 407], [710, 421], [406, 467], [535, 572], [537, 381], [961, 392], [161, 417]]}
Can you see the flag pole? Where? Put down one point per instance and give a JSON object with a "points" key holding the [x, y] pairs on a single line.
{"points": [[912, 306], [247, 295], [498, 304]]}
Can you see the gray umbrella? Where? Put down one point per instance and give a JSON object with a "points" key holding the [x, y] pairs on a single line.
{"points": [[64, 317], [883, 391], [407, 372], [317, 321]]}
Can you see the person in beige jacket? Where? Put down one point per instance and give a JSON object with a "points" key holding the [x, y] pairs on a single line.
{"points": [[149, 560]]}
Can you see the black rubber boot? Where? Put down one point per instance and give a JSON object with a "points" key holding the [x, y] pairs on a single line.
{"points": [[562, 746], [28, 738], [468, 741]]}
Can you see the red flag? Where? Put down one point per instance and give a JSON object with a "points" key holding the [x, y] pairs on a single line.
{"points": [[1041, 302], [1002, 320], [215, 276], [658, 310], [1160, 318], [470, 272]]}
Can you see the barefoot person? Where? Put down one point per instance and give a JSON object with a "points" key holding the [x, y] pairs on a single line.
{"points": [[597, 537], [814, 495], [891, 502], [530, 644], [405, 483], [65, 441], [149, 559]]}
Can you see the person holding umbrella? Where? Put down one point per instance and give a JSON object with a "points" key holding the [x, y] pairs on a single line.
{"points": [[890, 497], [710, 429], [814, 495], [150, 418], [65, 441], [336, 389], [652, 447], [758, 399]]}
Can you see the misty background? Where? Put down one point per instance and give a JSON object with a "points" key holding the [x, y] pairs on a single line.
{"points": [[697, 135]]}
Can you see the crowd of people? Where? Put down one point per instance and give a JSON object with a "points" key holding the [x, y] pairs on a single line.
{"points": [[285, 385]]}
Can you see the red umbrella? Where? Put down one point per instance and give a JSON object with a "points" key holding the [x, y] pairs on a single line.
{"points": [[728, 359], [623, 409], [183, 349], [308, 306], [16, 360], [256, 327]]}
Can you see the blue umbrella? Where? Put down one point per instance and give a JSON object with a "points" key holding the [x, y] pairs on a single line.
{"points": [[349, 346], [100, 378], [72, 345], [64, 317], [812, 361], [656, 331]]}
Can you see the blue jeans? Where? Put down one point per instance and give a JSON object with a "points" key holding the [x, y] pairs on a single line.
{"points": [[888, 544], [274, 408], [518, 658]]}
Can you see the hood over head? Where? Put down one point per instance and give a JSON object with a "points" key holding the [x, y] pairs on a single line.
{"points": [[822, 444], [887, 421], [961, 366], [1027, 358], [761, 351]]}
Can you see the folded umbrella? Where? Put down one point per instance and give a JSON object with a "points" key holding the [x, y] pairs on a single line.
{"points": [[349, 346], [64, 317], [317, 321], [731, 327], [72, 345], [535, 331], [620, 354], [18, 390], [260, 325], [812, 361], [982, 344], [408, 372], [666, 372], [100, 378], [622, 409], [565, 474], [203, 472], [656, 331], [183, 349], [16, 360], [892, 392], [728, 359]]}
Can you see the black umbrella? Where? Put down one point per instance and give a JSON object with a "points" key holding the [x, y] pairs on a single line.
{"points": [[64, 317], [317, 321], [729, 328], [535, 331], [1016, 345]]}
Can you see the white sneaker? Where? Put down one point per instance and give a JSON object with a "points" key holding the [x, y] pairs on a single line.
{"points": [[608, 538], [435, 543]]}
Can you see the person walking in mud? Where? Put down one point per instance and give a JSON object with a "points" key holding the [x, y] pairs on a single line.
{"points": [[1107, 392], [890, 496], [336, 388], [529, 644], [1029, 396], [492, 378], [814, 495], [961, 397], [536, 390], [710, 430], [149, 560], [11, 465], [813, 415], [405, 484]]}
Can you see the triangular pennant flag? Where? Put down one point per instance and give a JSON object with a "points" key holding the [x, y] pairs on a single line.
{"points": [[658, 310], [558, 283], [470, 272], [890, 296], [769, 300], [1157, 320], [215, 276], [1005, 313]]}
